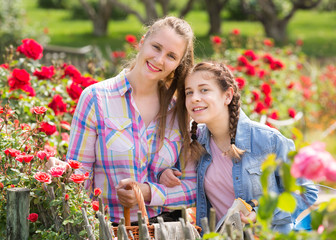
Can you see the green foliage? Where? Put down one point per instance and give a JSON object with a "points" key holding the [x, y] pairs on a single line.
{"points": [[57, 4]]}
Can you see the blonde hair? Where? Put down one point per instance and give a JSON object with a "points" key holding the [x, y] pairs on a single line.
{"points": [[225, 80], [167, 87]]}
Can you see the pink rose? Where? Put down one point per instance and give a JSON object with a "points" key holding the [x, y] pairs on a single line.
{"points": [[330, 172], [57, 171], [77, 178], [311, 162], [43, 177]]}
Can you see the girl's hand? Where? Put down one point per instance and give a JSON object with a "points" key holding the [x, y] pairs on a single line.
{"points": [[250, 218], [169, 178], [126, 195]]}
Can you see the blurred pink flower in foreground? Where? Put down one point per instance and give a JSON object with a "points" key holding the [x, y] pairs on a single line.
{"points": [[315, 163]]}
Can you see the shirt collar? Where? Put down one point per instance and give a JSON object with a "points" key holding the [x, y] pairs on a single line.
{"points": [[243, 134], [123, 84]]}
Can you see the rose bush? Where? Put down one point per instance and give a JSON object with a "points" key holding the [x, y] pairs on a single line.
{"points": [[37, 103]]}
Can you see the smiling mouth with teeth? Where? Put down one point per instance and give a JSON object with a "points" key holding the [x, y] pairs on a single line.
{"points": [[153, 68], [199, 109]]}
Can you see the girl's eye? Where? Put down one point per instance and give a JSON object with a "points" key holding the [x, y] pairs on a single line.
{"points": [[188, 93], [172, 56], [204, 90], [156, 47]]}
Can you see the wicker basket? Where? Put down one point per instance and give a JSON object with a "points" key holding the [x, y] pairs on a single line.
{"points": [[142, 208]]}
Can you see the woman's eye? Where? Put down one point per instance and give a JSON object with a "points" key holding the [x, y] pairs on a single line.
{"points": [[156, 47], [172, 56], [204, 90], [188, 93]]}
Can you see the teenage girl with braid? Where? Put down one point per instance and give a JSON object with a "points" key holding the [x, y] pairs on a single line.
{"points": [[230, 148]]}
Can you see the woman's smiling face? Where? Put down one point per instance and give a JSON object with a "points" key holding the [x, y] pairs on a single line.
{"points": [[161, 53]]}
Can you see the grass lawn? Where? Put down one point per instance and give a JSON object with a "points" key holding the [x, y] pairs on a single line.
{"points": [[316, 29]]}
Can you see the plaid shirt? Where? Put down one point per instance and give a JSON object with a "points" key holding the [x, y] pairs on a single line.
{"points": [[112, 142]]}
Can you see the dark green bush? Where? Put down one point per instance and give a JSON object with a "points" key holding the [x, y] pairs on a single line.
{"points": [[61, 4]]}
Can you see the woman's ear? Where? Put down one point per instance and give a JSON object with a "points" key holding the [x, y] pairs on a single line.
{"points": [[229, 95]]}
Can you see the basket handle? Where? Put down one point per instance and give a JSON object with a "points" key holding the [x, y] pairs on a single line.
{"points": [[141, 203]]}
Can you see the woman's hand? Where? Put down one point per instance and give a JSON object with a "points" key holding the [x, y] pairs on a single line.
{"points": [[251, 217], [126, 194], [169, 178]]}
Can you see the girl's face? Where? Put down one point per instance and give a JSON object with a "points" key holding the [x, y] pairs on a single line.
{"points": [[160, 54], [205, 101]]}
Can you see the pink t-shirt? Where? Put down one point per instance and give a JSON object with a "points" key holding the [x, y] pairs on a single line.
{"points": [[218, 181]]}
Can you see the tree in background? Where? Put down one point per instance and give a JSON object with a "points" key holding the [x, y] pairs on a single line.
{"points": [[214, 8], [275, 15]]}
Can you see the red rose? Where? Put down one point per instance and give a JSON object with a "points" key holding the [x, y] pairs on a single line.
{"points": [[77, 178], [118, 54], [66, 197], [131, 39], [74, 91], [97, 192], [95, 205], [45, 73], [4, 65], [290, 85], [266, 88], [241, 83], [42, 177], [261, 73], [43, 155], [276, 65], [87, 175], [250, 70], [1, 185], [291, 112], [250, 55], [87, 81], [274, 115], [29, 89], [33, 217], [216, 40], [31, 49], [58, 105], [47, 128], [268, 100], [19, 77], [259, 107], [299, 42], [25, 158], [12, 152], [235, 31], [72, 71], [38, 110], [242, 61], [74, 164], [268, 42], [268, 58], [256, 95]]}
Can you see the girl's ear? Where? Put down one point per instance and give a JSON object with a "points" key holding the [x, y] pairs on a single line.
{"points": [[229, 95]]}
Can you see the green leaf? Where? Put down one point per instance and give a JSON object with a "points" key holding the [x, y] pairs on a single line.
{"points": [[287, 202], [287, 178], [317, 218], [269, 162], [267, 205], [210, 235], [65, 222], [55, 202]]}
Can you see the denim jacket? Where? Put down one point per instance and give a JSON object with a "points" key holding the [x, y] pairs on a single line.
{"points": [[258, 141]]}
